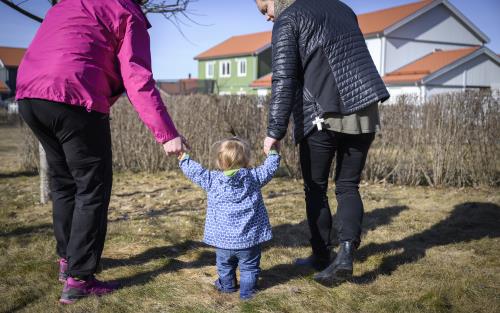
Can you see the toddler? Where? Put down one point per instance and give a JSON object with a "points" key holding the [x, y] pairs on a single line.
{"points": [[237, 221]]}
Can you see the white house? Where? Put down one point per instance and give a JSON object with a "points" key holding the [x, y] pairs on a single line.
{"points": [[429, 47], [424, 48]]}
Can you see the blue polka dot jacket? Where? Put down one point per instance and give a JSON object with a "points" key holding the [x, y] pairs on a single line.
{"points": [[236, 215]]}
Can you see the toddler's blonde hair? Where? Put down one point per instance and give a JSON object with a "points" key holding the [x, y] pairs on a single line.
{"points": [[232, 153]]}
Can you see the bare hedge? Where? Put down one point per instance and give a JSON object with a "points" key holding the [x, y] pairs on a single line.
{"points": [[452, 140]]}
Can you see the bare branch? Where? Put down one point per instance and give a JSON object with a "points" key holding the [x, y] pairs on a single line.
{"points": [[165, 7], [173, 11], [22, 11]]}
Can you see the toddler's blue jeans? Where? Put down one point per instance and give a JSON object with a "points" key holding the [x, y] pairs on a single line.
{"points": [[249, 263]]}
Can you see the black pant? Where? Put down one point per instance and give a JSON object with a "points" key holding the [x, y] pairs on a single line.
{"points": [[78, 148], [316, 155]]}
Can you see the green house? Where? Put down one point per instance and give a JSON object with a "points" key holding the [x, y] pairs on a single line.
{"points": [[237, 64]]}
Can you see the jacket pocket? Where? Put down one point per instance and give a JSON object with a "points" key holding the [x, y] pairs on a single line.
{"points": [[320, 82]]}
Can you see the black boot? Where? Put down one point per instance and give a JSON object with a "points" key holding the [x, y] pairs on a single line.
{"points": [[341, 268], [318, 260]]}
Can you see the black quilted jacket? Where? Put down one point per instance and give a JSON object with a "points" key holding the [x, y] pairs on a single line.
{"points": [[320, 65]]}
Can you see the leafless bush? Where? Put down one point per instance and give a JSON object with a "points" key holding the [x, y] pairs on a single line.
{"points": [[4, 117], [452, 140], [8, 119], [203, 120]]}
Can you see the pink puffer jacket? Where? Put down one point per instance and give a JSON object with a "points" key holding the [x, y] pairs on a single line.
{"points": [[87, 53]]}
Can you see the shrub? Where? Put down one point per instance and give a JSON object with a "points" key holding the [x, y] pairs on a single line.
{"points": [[451, 140]]}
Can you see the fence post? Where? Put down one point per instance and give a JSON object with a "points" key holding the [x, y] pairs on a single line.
{"points": [[44, 178]]}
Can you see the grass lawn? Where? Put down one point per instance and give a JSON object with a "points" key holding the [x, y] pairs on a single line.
{"points": [[423, 249]]}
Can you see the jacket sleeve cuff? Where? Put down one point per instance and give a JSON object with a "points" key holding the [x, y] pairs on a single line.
{"points": [[275, 134], [163, 138]]}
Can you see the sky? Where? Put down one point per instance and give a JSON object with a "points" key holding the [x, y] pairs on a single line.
{"points": [[216, 21]]}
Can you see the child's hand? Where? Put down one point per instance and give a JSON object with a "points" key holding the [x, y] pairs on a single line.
{"points": [[182, 156], [276, 147]]}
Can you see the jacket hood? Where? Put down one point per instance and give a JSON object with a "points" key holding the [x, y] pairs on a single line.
{"points": [[237, 182], [234, 180]]}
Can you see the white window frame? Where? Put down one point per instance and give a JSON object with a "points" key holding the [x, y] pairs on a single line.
{"points": [[207, 71], [240, 62], [221, 68]]}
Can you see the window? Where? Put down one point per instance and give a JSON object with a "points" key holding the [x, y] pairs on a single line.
{"points": [[225, 68], [242, 68], [209, 70]]}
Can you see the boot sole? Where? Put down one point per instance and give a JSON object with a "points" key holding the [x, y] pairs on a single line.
{"points": [[68, 301]]}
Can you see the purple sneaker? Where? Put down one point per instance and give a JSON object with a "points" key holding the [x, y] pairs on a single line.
{"points": [[75, 290], [63, 270]]}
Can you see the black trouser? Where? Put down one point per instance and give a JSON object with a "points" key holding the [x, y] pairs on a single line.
{"points": [[316, 155], [78, 148]]}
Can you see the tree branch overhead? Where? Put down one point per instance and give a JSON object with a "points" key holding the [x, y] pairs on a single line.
{"points": [[168, 8]]}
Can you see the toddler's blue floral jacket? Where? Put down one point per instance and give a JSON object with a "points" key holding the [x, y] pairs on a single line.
{"points": [[236, 215]]}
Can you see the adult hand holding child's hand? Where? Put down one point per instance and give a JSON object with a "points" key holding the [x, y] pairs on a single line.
{"points": [[271, 143], [176, 146]]}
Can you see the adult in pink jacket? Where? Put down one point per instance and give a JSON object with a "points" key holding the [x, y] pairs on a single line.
{"points": [[84, 56]]}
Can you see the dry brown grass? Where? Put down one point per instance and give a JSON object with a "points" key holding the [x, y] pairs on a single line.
{"points": [[424, 250]]}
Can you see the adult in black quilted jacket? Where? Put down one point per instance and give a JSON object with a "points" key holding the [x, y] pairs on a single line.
{"points": [[324, 76]]}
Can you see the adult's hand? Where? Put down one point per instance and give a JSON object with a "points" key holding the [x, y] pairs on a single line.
{"points": [[269, 143], [176, 146]]}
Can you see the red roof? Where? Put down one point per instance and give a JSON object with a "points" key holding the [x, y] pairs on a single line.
{"points": [[238, 46], [180, 87], [377, 21], [11, 56], [410, 73], [370, 23], [427, 65], [263, 82]]}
